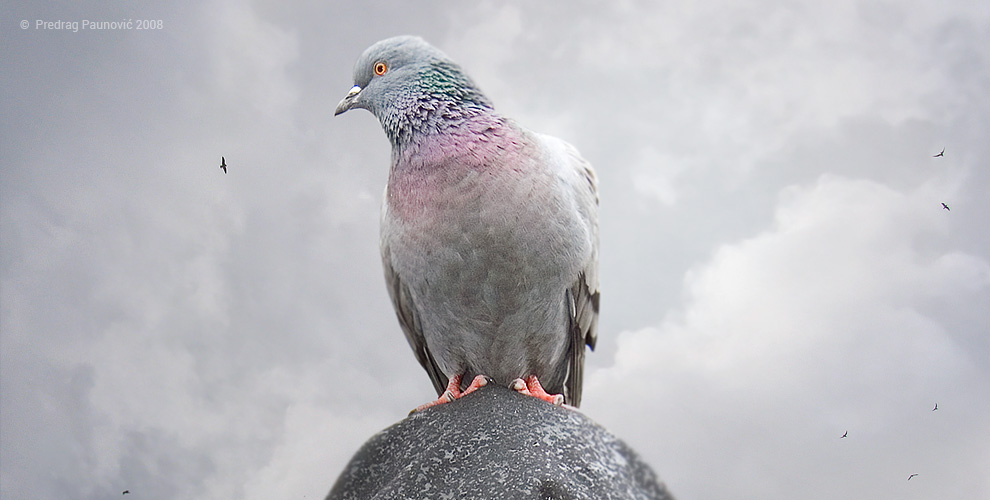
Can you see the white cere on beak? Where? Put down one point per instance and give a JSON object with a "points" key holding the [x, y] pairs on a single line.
{"points": [[354, 90]]}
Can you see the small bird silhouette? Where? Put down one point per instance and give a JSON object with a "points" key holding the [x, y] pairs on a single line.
{"points": [[936, 407], [912, 475], [946, 207], [941, 153], [223, 164], [845, 434], [126, 492]]}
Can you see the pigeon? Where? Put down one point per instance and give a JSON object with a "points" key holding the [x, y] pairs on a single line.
{"points": [[941, 153], [223, 164], [945, 207], [936, 407], [489, 232], [912, 475], [845, 434]]}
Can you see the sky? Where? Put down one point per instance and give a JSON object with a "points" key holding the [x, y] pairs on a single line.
{"points": [[776, 267]]}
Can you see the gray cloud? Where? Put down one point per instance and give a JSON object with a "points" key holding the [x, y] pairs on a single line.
{"points": [[776, 264]]}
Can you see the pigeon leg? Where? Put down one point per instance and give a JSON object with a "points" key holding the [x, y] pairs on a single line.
{"points": [[530, 386], [453, 391]]}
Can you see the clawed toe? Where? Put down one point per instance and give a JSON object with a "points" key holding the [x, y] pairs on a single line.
{"points": [[446, 397], [478, 382], [454, 391], [531, 386]]}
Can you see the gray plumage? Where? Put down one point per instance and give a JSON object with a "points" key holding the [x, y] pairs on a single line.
{"points": [[489, 232]]}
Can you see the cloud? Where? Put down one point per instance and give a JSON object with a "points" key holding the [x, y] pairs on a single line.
{"points": [[656, 175], [251, 58], [315, 443], [773, 248], [827, 321]]}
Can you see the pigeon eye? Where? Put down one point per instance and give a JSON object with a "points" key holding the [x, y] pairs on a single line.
{"points": [[380, 68]]}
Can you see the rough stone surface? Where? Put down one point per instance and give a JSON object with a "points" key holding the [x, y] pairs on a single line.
{"points": [[496, 443]]}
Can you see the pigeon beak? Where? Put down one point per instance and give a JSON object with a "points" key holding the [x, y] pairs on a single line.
{"points": [[348, 101]]}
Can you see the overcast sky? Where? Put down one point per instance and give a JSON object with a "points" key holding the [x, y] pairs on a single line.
{"points": [[776, 265]]}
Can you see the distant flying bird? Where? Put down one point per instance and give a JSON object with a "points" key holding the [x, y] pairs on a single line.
{"points": [[912, 475], [936, 407], [223, 164], [126, 492], [844, 435], [946, 207], [941, 153], [489, 231]]}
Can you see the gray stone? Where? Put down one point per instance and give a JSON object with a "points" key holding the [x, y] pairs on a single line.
{"points": [[496, 443]]}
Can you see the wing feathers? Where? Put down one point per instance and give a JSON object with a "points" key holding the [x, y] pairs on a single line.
{"points": [[409, 321]]}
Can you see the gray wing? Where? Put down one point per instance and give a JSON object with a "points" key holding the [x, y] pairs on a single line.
{"points": [[405, 310], [582, 297], [583, 302]]}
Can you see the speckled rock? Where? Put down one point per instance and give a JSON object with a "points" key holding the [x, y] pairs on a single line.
{"points": [[496, 443]]}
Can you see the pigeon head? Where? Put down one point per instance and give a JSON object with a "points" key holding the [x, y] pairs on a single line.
{"points": [[410, 86]]}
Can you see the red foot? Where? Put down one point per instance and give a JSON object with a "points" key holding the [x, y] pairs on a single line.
{"points": [[530, 386], [454, 391]]}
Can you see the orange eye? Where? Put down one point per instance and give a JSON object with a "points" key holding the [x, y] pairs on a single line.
{"points": [[380, 68]]}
